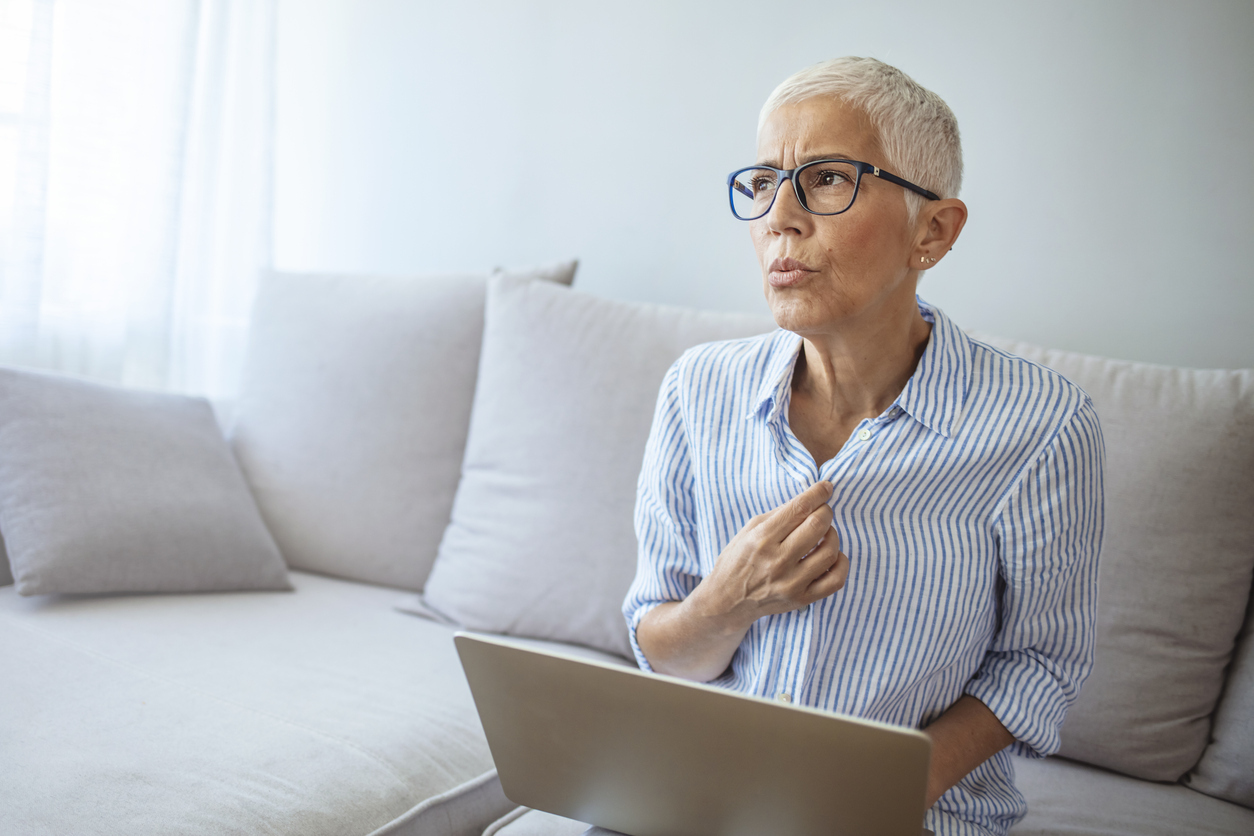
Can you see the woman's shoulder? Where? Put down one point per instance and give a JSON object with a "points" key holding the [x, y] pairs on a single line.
{"points": [[1001, 374]]}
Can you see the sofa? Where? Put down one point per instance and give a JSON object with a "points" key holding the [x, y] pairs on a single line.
{"points": [[238, 617]]}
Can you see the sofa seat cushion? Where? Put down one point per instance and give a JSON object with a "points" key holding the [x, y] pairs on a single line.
{"points": [[1072, 799], [322, 711], [524, 821]]}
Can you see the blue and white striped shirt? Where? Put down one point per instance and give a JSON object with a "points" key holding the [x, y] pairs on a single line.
{"points": [[971, 512]]}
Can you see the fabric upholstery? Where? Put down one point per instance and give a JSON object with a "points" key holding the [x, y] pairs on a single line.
{"points": [[526, 822], [6, 577], [1227, 766], [1176, 562], [1071, 799], [541, 541], [113, 490], [353, 415], [321, 711]]}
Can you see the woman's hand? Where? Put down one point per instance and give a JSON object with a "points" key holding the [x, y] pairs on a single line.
{"points": [[782, 560]]}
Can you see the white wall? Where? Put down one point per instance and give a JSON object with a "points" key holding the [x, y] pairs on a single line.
{"points": [[1109, 150]]}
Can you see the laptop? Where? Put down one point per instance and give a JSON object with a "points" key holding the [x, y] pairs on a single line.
{"points": [[652, 755]]}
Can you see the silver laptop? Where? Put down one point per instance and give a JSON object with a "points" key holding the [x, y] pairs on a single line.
{"points": [[652, 755]]}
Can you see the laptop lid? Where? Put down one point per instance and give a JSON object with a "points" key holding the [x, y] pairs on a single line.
{"points": [[652, 755]]}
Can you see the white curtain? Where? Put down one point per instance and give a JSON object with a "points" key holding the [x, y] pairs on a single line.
{"points": [[135, 182]]}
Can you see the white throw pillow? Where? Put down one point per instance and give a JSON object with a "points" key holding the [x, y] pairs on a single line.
{"points": [[353, 416], [542, 543], [115, 490], [1176, 560]]}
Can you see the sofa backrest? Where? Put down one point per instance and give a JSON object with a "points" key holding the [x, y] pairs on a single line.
{"points": [[353, 416], [1176, 562]]}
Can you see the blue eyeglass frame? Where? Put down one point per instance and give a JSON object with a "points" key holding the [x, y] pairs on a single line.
{"points": [[790, 174]]}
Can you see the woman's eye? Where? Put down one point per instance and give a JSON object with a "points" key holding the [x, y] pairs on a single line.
{"points": [[831, 178]]}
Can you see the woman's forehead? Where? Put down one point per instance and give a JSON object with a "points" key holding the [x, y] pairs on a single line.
{"points": [[816, 128]]}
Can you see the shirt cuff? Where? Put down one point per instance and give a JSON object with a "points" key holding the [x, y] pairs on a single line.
{"points": [[1021, 692], [632, 624]]}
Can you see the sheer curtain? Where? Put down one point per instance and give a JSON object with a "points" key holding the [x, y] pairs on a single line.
{"points": [[135, 181]]}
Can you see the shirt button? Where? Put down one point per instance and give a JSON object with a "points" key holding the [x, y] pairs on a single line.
{"points": [[864, 434], [784, 696]]}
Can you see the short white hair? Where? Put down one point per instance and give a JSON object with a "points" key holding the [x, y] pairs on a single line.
{"points": [[917, 131]]}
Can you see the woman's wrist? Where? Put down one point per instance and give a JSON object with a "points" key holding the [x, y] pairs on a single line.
{"points": [[719, 615], [693, 638]]}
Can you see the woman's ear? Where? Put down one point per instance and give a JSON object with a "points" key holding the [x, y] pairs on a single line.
{"points": [[940, 224]]}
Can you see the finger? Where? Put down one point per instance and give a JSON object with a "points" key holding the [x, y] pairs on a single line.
{"points": [[831, 581], [806, 536], [822, 557], [786, 518]]}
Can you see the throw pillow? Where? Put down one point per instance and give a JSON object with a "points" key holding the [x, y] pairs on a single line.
{"points": [[1226, 769], [1176, 560], [541, 542], [353, 415], [112, 490]]}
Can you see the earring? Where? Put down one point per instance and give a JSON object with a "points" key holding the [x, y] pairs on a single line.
{"points": [[926, 260]]}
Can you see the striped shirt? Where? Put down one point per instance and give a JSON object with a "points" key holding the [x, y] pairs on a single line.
{"points": [[971, 512]]}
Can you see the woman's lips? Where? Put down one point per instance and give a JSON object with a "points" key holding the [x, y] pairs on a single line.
{"points": [[785, 272]]}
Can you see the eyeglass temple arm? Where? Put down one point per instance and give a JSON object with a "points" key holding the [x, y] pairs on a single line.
{"points": [[906, 184], [738, 186]]}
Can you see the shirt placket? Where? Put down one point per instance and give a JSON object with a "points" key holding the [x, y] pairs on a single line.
{"points": [[834, 470]]}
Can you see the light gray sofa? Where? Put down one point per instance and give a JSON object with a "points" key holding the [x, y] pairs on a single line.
{"points": [[392, 486]]}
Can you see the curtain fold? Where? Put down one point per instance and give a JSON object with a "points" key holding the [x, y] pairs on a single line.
{"points": [[137, 178]]}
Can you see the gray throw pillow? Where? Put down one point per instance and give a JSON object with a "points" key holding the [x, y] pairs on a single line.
{"points": [[1176, 561], [112, 490], [353, 416], [1226, 769], [541, 543]]}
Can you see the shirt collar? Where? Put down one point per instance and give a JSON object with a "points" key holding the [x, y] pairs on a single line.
{"points": [[936, 392], [934, 395], [777, 379]]}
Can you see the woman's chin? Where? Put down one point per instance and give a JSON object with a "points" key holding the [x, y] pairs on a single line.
{"points": [[795, 314]]}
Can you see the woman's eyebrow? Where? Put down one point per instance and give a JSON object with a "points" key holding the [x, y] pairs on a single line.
{"points": [[833, 155], [809, 158]]}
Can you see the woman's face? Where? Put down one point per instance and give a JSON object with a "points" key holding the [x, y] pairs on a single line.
{"points": [[820, 272]]}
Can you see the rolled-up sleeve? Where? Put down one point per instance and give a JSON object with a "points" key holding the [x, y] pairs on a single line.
{"points": [[1049, 534], [668, 566]]}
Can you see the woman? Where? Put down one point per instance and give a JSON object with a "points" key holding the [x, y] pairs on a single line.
{"points": [[867, 511]]}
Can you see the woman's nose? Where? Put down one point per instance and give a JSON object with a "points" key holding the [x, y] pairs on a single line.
{"points": [[786, 212]]}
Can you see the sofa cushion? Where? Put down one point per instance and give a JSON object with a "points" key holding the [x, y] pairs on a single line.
{"points": [[352, 419], [1226, 769], [6, 577], [526, 822], [1176, 561], [322, 711], [1065, 797], [541, 542], [113, 490]]}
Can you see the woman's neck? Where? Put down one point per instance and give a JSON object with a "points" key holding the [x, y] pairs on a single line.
{"points": [[857, 369]]}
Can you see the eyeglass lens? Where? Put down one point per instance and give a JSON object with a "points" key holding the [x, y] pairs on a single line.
{"points": [[824, 187]]}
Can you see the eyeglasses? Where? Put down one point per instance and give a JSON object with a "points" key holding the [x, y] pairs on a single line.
{"points": [[823, 187]]}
